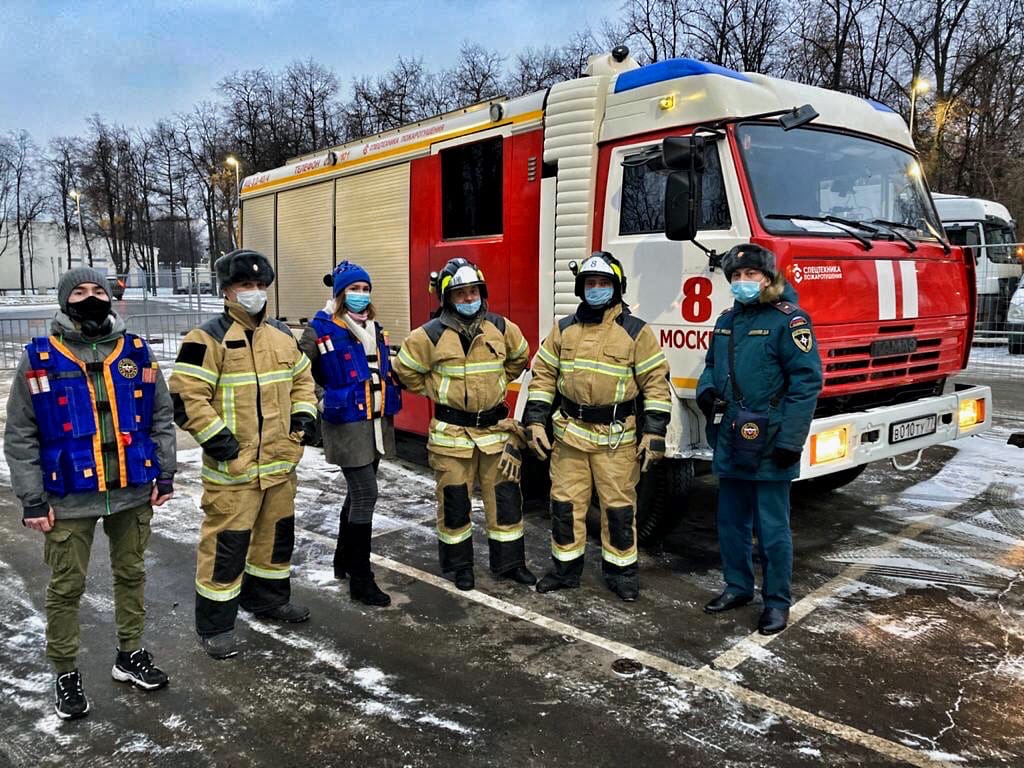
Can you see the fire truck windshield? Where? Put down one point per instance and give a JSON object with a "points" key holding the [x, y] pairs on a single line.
{"points": [[824, 174]]}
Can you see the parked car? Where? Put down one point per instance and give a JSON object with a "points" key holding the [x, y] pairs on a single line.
{"points": [[1015, 322]]}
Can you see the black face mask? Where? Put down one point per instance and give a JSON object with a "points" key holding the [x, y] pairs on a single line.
{"points": [[92, 313]]}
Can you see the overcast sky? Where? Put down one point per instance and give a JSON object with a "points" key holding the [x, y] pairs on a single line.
{"points": [[134, 62]]}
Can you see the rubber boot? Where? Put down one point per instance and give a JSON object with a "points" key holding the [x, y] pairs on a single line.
{"points": [[362, 586]]}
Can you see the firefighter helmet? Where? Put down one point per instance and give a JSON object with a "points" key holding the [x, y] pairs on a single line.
{"points": [[457, 273], [599, 264]]}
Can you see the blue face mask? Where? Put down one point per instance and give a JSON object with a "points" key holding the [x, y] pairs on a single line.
{"points": [[470, 309], [357, 302], [597, 297], [746, 291]]}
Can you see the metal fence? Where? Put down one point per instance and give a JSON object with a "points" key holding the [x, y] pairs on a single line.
{"points": [[998, 349]]}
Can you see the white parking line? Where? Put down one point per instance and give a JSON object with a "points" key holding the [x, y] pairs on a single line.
{"points": [[706, 678]]}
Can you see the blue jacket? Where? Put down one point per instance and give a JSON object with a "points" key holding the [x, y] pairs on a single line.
{"points": [[778, 371], [346, 376]]}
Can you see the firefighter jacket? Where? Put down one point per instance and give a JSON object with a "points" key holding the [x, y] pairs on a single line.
{"points": [[778, 372], [434, 362], [88, 423], [244, 391], [350, 379], [616, 360]]}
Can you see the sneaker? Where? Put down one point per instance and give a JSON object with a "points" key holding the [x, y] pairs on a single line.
{"points": [[68, 697], [137, 668], [289, 613], [222, 646]]}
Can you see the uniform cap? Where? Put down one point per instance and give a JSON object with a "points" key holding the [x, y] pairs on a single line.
{"points": [[242, 265], [749, 256]]}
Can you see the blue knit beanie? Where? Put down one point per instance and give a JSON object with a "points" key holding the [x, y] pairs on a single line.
{"points": [[345, 274]]}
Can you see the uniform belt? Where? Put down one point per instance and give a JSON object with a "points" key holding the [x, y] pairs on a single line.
{"points": [[459, 418], [598, 414]]}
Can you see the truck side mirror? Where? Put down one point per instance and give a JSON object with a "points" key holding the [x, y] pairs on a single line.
{"points": [[682, 204], [683, 153]]}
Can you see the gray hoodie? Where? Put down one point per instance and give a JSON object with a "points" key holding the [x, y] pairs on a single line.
{"points": [[21, 436]]}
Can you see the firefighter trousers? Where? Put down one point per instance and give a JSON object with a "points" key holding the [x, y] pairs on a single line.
{"points": [[503, 510], [67, 550], [575, 474], [245, 552]]}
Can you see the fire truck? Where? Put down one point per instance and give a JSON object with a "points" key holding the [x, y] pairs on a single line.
{"points": [[667, 166]]}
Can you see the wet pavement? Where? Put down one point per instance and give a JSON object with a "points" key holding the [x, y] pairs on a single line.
{"points": [[906, 644]]}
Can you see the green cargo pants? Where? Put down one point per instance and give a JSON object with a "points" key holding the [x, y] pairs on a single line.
{"points": [[67, 550]]}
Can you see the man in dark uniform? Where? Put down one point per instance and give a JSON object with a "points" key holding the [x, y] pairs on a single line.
{"points": [[758, 392]]}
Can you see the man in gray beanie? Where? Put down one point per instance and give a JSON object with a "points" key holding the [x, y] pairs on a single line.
{"points": [[90, 435]]}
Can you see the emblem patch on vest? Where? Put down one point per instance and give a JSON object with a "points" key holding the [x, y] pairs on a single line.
{"points": [[803, 339], [750, 431], [127, 368]]}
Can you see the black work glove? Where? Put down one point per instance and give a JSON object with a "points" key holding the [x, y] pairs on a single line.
{"points": [[222, 447], [784, 458], [706, 402], [301, 422]]}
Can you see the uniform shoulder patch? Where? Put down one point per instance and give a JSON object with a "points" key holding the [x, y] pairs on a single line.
{"points": [[785, 307], [803, 338], [631, 324], [191, 353], [496, 320], [434, 329], [798, 321]]}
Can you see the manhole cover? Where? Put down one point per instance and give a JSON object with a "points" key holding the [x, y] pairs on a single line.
{"points": [[627, 667]]}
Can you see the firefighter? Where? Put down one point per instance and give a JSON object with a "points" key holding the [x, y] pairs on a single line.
{"points": [[463, 360], [351, 361], [244, 391], [605, 366], [758, 392], [89, 435]]}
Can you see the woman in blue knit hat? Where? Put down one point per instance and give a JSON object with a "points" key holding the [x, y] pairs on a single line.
{"points": [[350, 356]]}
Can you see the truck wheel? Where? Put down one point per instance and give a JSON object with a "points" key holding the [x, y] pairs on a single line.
{"points": [[662, 496], [828, 483], [1016, 342]]}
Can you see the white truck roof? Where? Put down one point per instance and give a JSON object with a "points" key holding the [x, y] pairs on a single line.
{"points": [[962, 208]]}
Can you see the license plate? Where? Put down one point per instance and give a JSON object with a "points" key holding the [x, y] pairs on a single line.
{"points": [[913, 428], [890, 347]]}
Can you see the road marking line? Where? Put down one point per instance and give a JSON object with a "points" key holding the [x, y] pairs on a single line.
{"points": [[706, 678]]}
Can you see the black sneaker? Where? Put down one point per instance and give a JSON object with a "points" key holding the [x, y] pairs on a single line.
{"points": [[68, 697], [136, 667]]}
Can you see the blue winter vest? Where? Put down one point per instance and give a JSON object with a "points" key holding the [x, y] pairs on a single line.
{"points": [[349, 386], [68, 415]]}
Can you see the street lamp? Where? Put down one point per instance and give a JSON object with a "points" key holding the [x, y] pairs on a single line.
{"points": [[918, 86], [81, 232], [233, 162]]}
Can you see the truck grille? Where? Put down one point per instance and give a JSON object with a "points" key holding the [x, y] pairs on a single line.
{"points": [[848, 365]]}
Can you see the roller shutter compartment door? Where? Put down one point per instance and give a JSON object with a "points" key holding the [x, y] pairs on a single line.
{"points": [[305, 250], [258, 225]]}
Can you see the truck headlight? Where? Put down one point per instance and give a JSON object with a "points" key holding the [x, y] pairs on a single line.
{"points": [[972, 412], [829, 445]]}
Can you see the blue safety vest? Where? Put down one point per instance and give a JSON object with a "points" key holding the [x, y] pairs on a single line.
{"points": [[68, 415], [349, 385]]}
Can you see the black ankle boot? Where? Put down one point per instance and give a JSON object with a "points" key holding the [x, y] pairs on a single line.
{"points": [[365, 590]]}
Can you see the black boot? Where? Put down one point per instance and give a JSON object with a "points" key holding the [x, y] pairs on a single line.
{"points": [[362, 586], [623, 580], [564, 576], [340, 552]]}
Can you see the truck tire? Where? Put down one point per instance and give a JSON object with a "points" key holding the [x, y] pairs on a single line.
{"points": [[662, 497], [828, 483], [1016, 341]]}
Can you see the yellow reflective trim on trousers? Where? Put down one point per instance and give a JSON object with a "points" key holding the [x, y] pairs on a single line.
{"points": [[267, 573], [650, 363], [210, 430], [439, 438], [565, 555], [411, 361], [513, 535], [196, 372], [613, 440], [614, 559], [542, 397], [304, 408], [497, 437], [548, 358], [225, 478], [658, 405], [219, 595], [454, 538], [301, 365]]}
